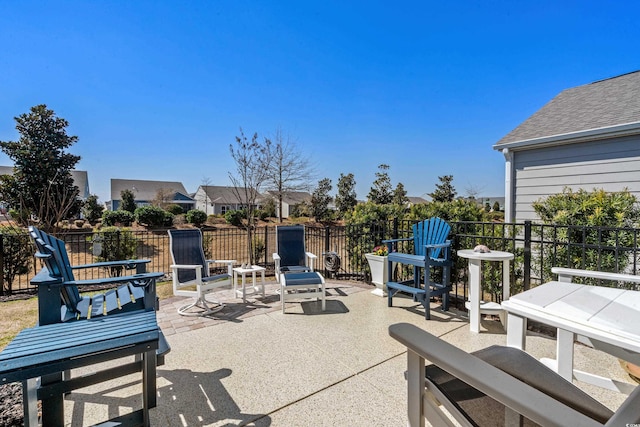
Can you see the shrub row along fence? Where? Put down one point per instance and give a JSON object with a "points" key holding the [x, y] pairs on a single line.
{"points": [[537, 249]]}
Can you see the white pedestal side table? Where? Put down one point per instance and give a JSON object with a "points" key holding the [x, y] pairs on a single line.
{"points": [[475, 304]]}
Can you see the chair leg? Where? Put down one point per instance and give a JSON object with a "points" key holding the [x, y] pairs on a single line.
{"points": [[204, 306]]}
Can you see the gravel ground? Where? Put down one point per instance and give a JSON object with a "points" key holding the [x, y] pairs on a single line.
{"points": [[11, 405]]}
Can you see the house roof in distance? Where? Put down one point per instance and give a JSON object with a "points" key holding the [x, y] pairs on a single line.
{"points": [[293, 197], [222, 194], [601, 107], [80, 179], [144, 189]]}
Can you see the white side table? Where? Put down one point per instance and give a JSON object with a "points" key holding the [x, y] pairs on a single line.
{"points": [[242, 271], [475, 304]]}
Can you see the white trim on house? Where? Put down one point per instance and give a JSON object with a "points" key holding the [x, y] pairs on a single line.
{"points": [[617, 131]]}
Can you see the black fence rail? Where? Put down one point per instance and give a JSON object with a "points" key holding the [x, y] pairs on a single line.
{"points": [[537, 248]]}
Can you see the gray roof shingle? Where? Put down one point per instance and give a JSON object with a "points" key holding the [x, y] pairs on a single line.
{"points": [[601, 104], [143, 189]]}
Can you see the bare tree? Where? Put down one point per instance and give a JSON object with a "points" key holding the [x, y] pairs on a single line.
{"points": [[289, 171], [163, 197], [473, 190], [204, 183], [253, 161]]}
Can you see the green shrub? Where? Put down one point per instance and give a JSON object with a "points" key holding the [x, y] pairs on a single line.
{"points": [[17, 255], [153, 216], [364, 230], [262, 215], [454, 211], [593, 235], [175, 209], [269, 208], [234, 217], [119, 217], [168, 219], [114, 244], [91, 209], [196, 217], [20, 216]]}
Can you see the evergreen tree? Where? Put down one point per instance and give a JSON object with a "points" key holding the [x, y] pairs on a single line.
{"points": [[320, 200], [128, 201], [346, 197], [41, 185], [445, 192], [380, 192], [400, 195]]}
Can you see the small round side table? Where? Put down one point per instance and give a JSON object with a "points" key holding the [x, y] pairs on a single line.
{"points": [[475, 304]]}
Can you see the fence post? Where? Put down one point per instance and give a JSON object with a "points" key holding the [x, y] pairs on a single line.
{"points": [[395, 228], [527, 255], [327, 238], [266, 243]]}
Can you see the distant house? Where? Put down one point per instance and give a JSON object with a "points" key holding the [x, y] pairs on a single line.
{"points": [[289, 200], [413, 200], [80, 179], [492, 201], [218, 200], [146, 192], [586, 137]]}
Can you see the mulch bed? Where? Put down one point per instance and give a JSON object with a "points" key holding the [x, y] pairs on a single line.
{"points": [[11, 405]]}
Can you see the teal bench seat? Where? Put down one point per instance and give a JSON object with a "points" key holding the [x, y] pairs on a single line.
{"points": [[49, 350]]}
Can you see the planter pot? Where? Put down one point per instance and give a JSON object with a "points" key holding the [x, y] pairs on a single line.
{"points": [[378, 266]]}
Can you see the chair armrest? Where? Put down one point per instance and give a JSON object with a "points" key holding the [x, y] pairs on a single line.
{"points": [[185, 266], [114, 280], [221, 261], [488, 379], [405, 239], [565, 275], [128, 264], [439, 245], [275, 256], [312, 258]]}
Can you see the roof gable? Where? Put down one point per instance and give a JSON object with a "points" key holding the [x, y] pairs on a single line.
{"points": [[80, 179], [221, 195], [144, 190], [601, 104]]}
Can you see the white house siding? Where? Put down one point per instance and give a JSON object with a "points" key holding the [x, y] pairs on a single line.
{"points": [[609, 164]]}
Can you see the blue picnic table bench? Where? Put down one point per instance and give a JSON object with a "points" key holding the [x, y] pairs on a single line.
{"points": [[47, 351], [76, 330]]}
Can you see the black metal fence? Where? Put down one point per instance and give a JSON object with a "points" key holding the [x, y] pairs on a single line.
{"points": [[537, 248]]}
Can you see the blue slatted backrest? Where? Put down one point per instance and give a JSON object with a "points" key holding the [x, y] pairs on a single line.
{"points": [[54, 254], [290, 245], [186, 249], [432, 231]]}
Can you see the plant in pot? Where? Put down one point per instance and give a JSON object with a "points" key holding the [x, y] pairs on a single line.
{"points": [[378, 266]]}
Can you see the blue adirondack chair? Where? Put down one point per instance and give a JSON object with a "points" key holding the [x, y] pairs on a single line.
{"points": [[431, 249], [133, 293]]}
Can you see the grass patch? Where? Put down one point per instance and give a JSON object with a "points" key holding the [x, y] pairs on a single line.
{"points": [[15, 316], [20, 314]]}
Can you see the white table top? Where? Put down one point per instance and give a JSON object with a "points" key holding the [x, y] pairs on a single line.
{"points": [[248, 269], [485, 256], [611, 314]]}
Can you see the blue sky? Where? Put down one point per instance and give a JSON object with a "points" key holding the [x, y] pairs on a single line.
{"points": [[158, 90]]}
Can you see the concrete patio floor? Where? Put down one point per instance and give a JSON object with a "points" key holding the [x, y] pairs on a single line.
{"points": [[249, 364]]}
